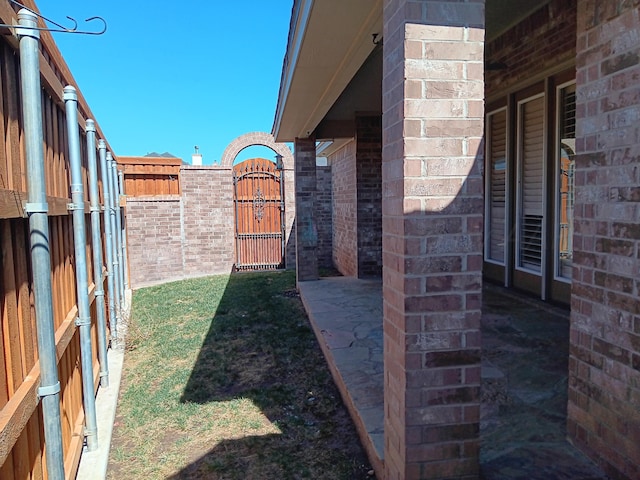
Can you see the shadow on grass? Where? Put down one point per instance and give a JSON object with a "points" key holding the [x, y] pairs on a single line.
{"points": [[260, 347]]}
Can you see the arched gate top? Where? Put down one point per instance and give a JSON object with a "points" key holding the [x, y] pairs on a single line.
{"points": [[260, 139]]}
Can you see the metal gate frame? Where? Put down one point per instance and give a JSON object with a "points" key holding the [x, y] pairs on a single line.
{"points": [[255, 248]]}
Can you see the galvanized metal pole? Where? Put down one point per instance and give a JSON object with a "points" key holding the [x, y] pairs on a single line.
{"points": [[49, 390], [96, 245], [125, 269], [114, 239], [82, 281], [116, 189], [104, 171]]}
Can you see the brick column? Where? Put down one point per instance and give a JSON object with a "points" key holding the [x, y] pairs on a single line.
{"points": [[306, 229], [369, 194], [604, 362], [433, 92]]}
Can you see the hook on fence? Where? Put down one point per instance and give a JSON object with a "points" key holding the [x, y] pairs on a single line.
{"points": [[61, 28]]}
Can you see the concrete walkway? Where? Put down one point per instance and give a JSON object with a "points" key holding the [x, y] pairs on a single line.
{"points": [[524, 385]]}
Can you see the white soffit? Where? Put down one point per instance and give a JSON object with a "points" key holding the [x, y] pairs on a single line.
{"points": [[330, 42]]}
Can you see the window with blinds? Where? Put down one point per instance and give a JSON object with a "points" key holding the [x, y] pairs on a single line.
{"points": [[496, 185], [530, 180], [565, 167]]}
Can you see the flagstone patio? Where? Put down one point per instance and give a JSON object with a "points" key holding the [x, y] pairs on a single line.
{"points": [[524, 376]]}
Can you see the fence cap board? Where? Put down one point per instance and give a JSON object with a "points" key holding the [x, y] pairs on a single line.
{"points": [[150, 161]]}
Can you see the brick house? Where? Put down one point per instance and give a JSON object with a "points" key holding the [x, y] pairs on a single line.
{"points": [[477, 141]]}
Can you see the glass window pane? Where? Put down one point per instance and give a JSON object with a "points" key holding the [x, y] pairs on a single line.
{"points": [[565, 180]]}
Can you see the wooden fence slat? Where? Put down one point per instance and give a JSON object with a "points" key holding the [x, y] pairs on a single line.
{"points": [[4, 318], [4, 179], [35, 446], [10, 327], [12, 139], [27, 328]]}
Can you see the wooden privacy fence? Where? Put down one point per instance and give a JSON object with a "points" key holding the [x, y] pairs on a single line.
{"points": [[150, 175], [22, 449]]}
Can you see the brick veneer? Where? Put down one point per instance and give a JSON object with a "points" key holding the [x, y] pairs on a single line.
{"points": [[604, 364], [208, 219], [324, 216], [433, 96], [345, 236], [154, 239], [306, 223], [540, 42], [369, 194], [192, 234]]}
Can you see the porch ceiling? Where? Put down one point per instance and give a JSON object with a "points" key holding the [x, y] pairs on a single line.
{"points": [[329, 41]]}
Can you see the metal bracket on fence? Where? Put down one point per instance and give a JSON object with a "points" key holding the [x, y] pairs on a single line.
{"points": [[90, 432], [83, 322], [58, 27], [49, 390], [75, 206], [95, 208], [99, 293], [36, 208]]}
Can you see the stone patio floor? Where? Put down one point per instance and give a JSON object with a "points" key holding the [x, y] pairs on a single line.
{"points": [[524, 376]]}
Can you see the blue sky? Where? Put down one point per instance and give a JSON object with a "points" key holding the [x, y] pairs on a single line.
{"points": [[169, 75]]}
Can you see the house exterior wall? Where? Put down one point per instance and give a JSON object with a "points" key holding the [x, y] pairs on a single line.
{"points": [[433, 109], [604, 363], [345, 235], [325, 216], [540, 43], [369, 194]]}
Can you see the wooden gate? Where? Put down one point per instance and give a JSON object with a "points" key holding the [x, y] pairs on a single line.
{"points": [[259, 215]]}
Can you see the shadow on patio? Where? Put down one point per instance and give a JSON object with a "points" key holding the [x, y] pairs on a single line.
{"points": [[524, 376]]}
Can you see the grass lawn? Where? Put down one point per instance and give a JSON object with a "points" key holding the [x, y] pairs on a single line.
{"points": [[224, 379]]}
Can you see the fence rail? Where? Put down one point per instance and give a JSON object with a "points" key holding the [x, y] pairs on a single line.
{"points": [[22, 444]]}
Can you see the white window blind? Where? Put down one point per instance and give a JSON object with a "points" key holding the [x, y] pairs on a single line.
{"points": [[497, 155]]}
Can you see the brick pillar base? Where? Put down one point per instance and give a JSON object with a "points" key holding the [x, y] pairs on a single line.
{"points": [[306, 229]]}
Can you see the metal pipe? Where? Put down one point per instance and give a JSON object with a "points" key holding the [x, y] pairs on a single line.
{"points": [[36, 208], [82, 281], [114, 240], [104, 171], [119, 222], [125, 269], [96, 246]]}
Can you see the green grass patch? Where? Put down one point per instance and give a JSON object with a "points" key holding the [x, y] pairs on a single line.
{"points": [[224, 379]]}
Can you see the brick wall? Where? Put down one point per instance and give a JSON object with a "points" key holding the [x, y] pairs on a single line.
{"points": [[191, 235], [154, 239], [345, 237], [541, 42], [208, 220], [604, 365], [324, 216], [369, 195], [433, 110]]}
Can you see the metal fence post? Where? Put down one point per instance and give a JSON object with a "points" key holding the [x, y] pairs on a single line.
{"points": [[106, 193], [125, 269], [37, 208], [96, 245], [82, 281], [114, 241]]}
